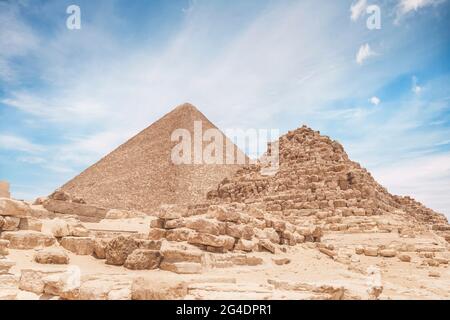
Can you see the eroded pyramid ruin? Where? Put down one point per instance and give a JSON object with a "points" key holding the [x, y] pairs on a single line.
{"points": [[140, 175]]}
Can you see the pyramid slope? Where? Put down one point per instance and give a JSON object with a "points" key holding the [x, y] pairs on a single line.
{"points": [[139, 175], [316, 178]]}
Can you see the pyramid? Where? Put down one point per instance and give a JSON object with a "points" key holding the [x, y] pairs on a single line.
{"points": [[318, 184], [140, 174]]}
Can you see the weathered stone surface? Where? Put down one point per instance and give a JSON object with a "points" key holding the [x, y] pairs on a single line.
{"points": [[149, 244], [118, 250], [151, 289], [239, 231], [78, 245], [34, 279], [404, 257], [281, 261], [267, 245], [182, 267], [51, 256], [387, 253], [72, 208], [246, 245], [123, 214], [10, 207], [28, 239], [204, 225], [100, 247], [10, 223], [175, 223], [156, 234], [57, 227], [371, 251], [170, 212], [30, 223], [181, 234], [105, 289], [328, 252], [207, 239], [4, 244], [179, 255], [143, 259], [6, 265]]}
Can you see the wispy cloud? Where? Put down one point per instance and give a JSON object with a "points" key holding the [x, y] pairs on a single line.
{"points": [[375, 101], [364, 53], [357, 9], [16, 143], [404, 7]]}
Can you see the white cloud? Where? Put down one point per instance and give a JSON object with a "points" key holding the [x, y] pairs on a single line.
{"points": [[415, 87], [16, 143], [17, 39], [364, 53], [375, 101], [406, 6], [425, 178], [357, 9]]}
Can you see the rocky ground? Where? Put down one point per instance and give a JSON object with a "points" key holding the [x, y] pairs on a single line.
{"points": [[56, 256]]}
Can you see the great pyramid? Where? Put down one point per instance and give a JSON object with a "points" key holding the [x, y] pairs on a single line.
{"points": [[140, 175]]}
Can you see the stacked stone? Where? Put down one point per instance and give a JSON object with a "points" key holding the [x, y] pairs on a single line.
{"points": [[226, 228], [317, 184]]}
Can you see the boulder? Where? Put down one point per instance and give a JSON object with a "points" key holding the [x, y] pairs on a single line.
{"points": [[4, 244], [207, 239], [281, 261], [179, 255], [246, 245], [267, 245], [14, 208], [204, 225], [156, 234], [175, 223], [72, 208], [239, 231], [33, 280], [371, 251], [57, 227], [28, 239], [404, 257], [30, 223], [105, 289], [51, 256], [143, 259], [6, 265], [387, 253], [118, 249], [10, 223], [170, 212], [78, 245], [224, 214], [182, 267], [179, 235], [100, 247], [149, 244], [153, 289]]}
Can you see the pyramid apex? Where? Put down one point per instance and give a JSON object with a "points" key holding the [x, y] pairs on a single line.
{"points": [[186, 106]]}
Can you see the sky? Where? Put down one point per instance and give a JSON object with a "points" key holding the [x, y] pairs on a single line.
{"points": [[70, 96]]}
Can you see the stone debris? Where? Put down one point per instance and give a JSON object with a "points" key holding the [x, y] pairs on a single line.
{"points": [[51, 256], [320, 215]]}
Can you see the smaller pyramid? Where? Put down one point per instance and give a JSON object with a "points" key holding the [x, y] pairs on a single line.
{"points": [[316, 178], [140, 174]]}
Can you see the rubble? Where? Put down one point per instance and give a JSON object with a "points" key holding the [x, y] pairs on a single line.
{"points": [[321, 217]]}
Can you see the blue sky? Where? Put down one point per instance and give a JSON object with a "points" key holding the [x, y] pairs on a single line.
{"points": [[68, 97]]}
